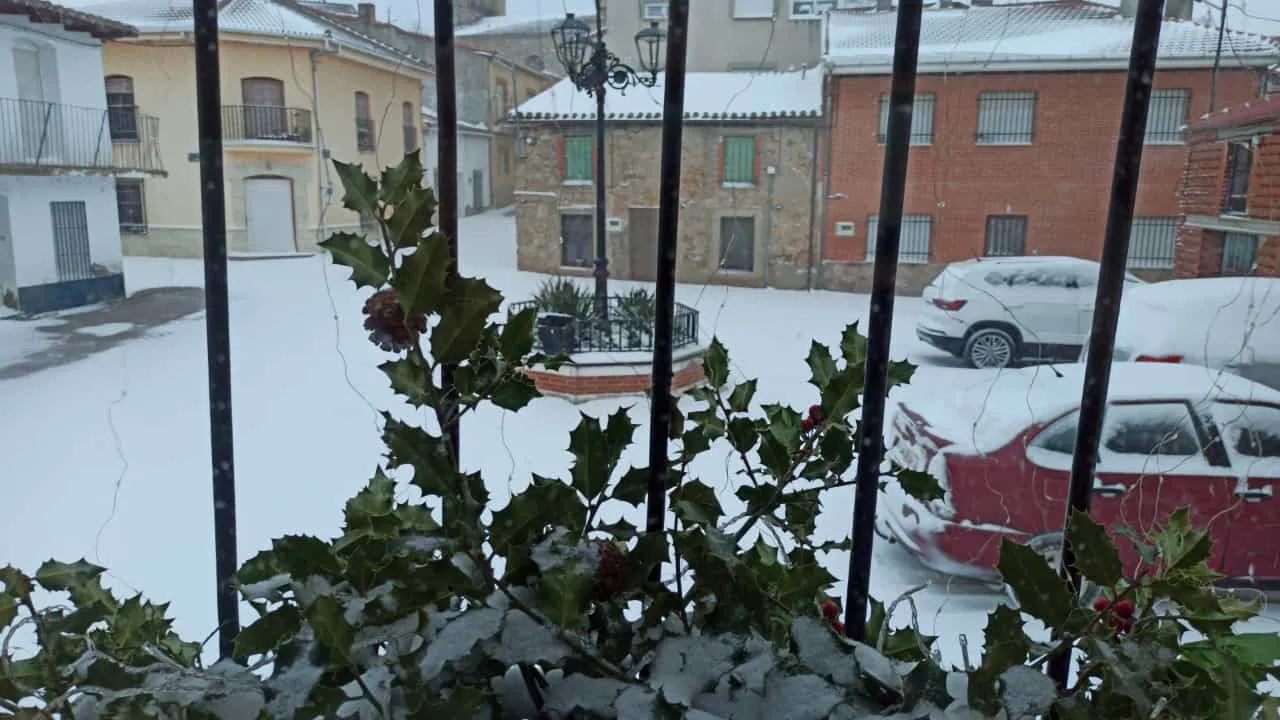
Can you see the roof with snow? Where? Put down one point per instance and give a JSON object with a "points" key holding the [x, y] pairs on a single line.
{"points": [[1256, 112], [1043, 36], [430, 117], [707, 96], [526, 17], [266, 18], [39, 11]]}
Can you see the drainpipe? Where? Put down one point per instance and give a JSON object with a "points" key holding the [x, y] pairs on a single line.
{"points": [[322, 227], [813, 205], [772, 172], [830, 102]]}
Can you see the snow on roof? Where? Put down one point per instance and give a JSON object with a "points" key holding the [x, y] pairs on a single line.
{"points": [[1209, 321], [1056, 34], [707, 96], [269, 18], [1255, 112], [431, 118], [987, 413], [75, 20], [530, 16]]}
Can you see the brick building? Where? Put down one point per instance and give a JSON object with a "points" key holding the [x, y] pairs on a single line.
{"points": [[1014, 132], [1230, 196], [748, 201]]}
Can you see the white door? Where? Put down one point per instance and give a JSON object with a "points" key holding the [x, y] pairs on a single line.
{"points": [[268, 209], [8, 271], [33, 110]]}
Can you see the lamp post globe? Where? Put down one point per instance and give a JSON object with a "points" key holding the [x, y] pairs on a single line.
{"points": [[572, 41], [649, 48]]}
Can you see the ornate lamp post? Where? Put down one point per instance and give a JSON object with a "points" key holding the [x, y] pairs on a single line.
{"points": [[592, 68]]}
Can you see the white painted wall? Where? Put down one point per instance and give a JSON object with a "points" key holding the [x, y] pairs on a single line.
{"points": [[77, 82], [473, 154], [31, 223]]}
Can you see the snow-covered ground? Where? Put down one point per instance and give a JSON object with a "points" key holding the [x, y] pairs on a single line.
{"points": [[107, 458]]}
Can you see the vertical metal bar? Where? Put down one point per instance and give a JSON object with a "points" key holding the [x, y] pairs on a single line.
{"points": [[44, 131], [447, 163], [660, 405], [1106, 308], [97, 148], [880, 328], [1217, 56], [217, 318], [602, 240]]}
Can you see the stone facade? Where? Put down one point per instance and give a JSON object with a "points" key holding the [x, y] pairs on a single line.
{"points": [[781, 204], [1202, 232], [1060, 181]]}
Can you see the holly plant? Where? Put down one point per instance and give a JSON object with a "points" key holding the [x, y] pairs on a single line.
{"points": [[445, 606]]}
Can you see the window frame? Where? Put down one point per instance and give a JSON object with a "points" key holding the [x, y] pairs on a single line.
{"points": [[366, 135], [1255, 242], [1036, 450], [994, 219], [921, 101], [815, 9], [1166, 260], [739, 12], [141, 204], [410, 128], [647, 5], [750, 173], [721, 255], [122, 117], [1166, 136], [588, 256], [913, 219], [567, 177], [1007, 99], [1235, 200]]}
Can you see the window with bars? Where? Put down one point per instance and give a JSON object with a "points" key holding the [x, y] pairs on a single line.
{"points": [[576, 234], [1006, 118], [1006, 236], [913, 241], [739, 160], [738, 243], [1152, 242], [748, 9], [1235, 192], [921, 119], [811, 8], [410, 125], [131, 206], [579, 153], [1166, 116], [122, 112], [365, 138], [1239, 253]]}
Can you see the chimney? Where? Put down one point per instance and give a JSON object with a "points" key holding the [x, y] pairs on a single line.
{"points": [[1128, 8], [1177, 9], [367, 12]]}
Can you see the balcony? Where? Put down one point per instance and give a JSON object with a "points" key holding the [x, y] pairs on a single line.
{"points": [[266, 126], [44, 138]]}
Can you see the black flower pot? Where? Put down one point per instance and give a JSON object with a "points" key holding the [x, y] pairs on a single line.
{"points": [[556, 333]]}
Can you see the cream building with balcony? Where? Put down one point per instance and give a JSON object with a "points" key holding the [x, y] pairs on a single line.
{"points": [[298, 91]]}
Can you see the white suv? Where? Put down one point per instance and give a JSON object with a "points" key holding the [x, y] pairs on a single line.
{"points": [[995, 312]]}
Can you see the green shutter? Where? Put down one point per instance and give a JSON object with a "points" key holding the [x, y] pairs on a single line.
{"points": [[740, 160], [578, 158]]}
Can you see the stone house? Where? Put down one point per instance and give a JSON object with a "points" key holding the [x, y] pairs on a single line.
{"points": [[1014, 133], [1230, 196], [748, 179]]}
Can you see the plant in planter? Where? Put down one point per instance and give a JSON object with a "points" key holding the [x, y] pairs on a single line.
{"points": [[443, 607], [564, 309], [637, 312]]}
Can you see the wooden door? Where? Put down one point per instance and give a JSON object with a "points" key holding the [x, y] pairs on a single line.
{"points": [[642, 239]]}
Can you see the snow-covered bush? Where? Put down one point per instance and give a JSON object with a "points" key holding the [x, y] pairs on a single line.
{"points": [[437, 609]]}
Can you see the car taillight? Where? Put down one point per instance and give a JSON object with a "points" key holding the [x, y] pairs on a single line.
{"points": [[1159, 358], [950, 305]]}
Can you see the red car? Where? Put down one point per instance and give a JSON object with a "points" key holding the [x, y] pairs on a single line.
{"points": [[1174, 435]]}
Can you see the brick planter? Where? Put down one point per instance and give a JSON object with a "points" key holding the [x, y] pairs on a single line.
{"points": [[598, 375]]}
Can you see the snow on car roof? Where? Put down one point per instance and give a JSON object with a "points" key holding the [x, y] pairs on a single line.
{"points": [[1209, 321], [985, 413]]}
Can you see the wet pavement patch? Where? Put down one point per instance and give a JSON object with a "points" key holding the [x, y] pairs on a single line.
{"points": [[78, 334]]}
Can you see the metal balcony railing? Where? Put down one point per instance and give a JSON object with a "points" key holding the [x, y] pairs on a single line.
{"points": [[35, 134], [268, 123]]}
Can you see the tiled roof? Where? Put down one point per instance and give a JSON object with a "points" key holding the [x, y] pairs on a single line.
{"points": [[1256, 112], [76, 20], [431, 118], [529, 17], [707, 96], [1055, 35], [268, 18]]}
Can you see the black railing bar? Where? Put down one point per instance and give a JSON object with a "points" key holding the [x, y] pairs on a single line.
{"points": [[217, 318], [880, 326], [1111, 276], [447, 163]]}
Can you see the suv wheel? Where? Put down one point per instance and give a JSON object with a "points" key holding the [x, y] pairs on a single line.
{"points": [[990, 348]]}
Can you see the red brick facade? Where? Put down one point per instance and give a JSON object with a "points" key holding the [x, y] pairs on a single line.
{"points": [[586, 386], [1202, 232], [1060, 181]]}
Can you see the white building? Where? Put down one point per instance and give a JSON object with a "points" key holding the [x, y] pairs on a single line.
{"points": [[474, 190], [59, 223]]}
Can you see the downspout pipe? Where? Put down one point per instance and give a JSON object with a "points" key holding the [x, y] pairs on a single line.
{"points": [[322, 190], [824, 210]]}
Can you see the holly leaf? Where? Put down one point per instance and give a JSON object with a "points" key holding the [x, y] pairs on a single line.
{"points": [[696, 504], [411, 216], [514, 392], [840, 396], [268, 632], [16, 583], [822, 366], [327, 617], [400, 179], [563, 595], [464, 701], [545, 502], [373, 503], [8, 610], [517, 334], [302, 556], [369, 266], [54, 575], [428, 455], [900, 372], [359, 190], [1180, 544], [715, 364], [1255, 650], [463, 317], [740, 398], [1041, 593], [633, 488], [853, 346], [1096, 556], [410, 379], [921, 486], [836, 449], [596, 450], [421, 280], [742, 434]]}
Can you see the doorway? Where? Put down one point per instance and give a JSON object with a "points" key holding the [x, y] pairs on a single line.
{"points": [[642, 240], [8, 270], [263, 113], [39, 118], [268, 210], [477, 190], [71, 250]]}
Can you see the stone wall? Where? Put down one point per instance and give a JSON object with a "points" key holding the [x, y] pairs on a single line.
{"points": [[782, 203]]}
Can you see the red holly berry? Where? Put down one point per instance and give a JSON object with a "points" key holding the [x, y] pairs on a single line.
{"points": [[1123, 609], [1122, 626], [815, 413], [612, 571], [806, 425], [837, 626], [830, 610], [1101, 604], [388, 327]]}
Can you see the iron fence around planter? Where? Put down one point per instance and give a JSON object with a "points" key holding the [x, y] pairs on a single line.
{"points": [[624, 330]]}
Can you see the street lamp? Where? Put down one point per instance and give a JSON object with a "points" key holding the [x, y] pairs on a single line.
{"points": [[592, 68]]}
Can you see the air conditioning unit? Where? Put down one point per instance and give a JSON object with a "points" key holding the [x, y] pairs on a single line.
{"points": [[655, 10], [846, 229]]}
